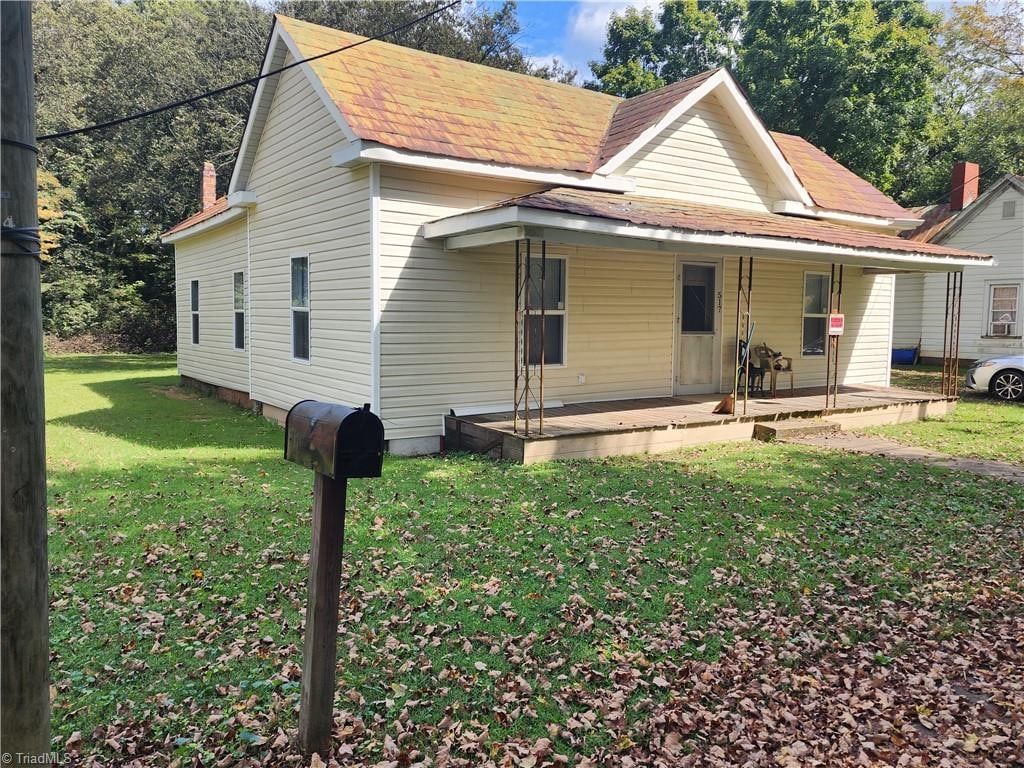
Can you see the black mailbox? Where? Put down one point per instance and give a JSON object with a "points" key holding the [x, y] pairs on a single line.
{"points": [[334, 440]]}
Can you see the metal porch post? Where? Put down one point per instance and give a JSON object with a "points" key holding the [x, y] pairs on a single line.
{"points": [[746, 367], [946, 333], [515, 360], [543, 323], [835, 364], [736, 365]]}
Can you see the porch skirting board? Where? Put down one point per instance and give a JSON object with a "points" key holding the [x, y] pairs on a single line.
{"points": [[672, 427]]}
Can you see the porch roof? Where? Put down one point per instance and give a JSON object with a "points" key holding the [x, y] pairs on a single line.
{"points": [[580, 216]]}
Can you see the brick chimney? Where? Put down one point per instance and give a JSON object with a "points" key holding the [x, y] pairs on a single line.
{"points": [[208, 189], [965, 186]]}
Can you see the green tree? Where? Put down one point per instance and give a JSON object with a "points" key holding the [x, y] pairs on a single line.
{"points": [[852, 77], [698, 35], [690, 36], [632, 55]]}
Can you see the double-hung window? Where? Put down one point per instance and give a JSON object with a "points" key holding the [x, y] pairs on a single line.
{"points": [[238, 283], [194, 308], [552, 349], [300, 307], [817, 288], [1004, 304]]}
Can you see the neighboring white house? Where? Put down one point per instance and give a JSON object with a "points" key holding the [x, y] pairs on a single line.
{"points": [[993, 296], [365, 249]]}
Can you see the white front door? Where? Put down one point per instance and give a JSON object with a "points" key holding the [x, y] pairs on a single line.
{"points": [[698, 326]]}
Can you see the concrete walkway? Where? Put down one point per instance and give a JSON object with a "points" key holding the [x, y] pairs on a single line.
{"points": [[880, 446]]}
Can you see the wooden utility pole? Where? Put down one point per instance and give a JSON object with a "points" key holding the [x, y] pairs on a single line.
{"points": [[24, 678]]}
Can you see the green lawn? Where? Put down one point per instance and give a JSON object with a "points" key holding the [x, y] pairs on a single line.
{"points": [[503, 615], [980, 427]]}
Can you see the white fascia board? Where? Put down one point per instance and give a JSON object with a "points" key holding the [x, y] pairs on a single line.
{"points": [[245, 198], [761, 142], [670, 117], [739, 109], [361, 152], [214, 221], [251, 129], [485, 238], [794, 208], [779, 248], [318, 86]]}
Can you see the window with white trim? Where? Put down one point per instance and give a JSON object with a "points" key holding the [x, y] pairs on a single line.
{"points": [[238, 285], [553, 346], [815, 313], [1004, 304], [300, 307], [194, 309]]}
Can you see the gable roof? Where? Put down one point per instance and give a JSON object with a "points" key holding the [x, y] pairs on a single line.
{"points": [[420, 102], [635, 115], [834, 186], [409, 99], [413, 100], [940, 223]]}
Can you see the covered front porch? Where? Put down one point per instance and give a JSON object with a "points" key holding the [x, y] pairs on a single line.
{"points": [[632, 318], [659, 424]]}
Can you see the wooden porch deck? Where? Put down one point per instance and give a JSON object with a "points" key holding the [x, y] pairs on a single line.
{"points": [[651, 425]]}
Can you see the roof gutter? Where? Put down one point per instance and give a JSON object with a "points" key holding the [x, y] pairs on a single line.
{"points": [[361, 152], [795, 208]]}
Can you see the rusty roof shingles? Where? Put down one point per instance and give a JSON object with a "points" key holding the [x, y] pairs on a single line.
{"points": [[696, 217], [409, 99], [834, 186], [413, 100], [219, 206]]}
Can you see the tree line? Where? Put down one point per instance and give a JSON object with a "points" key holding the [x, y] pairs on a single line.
{"points": [[891, 89]]}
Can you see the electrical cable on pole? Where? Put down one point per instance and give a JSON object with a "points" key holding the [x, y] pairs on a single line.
{"points": [[24, 636]]}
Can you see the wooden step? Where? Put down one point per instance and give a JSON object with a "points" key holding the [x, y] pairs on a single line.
{"points": [[790, 428]]}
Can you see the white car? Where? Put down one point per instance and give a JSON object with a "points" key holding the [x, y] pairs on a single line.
{"points": [[1002, 377]]}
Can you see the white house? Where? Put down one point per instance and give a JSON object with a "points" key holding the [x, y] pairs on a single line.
{"points": [[367, 248], [993, 295]]}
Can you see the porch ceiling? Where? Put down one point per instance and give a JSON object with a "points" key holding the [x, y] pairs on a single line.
{"points": [[599, 219]]}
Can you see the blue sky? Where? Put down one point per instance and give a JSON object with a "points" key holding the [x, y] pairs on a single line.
{"points": [[573, 32]]}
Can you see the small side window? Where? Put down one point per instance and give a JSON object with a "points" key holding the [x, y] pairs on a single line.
{"points": [[1009, 209], [300, 307], [239, 305], [194, 308]]}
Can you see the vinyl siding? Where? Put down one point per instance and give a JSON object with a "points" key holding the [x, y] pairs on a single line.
{"points": [[703, 158], [447, 335], [212, 258], [986, 232], [908, 310], [305, 205], [777, 308]]}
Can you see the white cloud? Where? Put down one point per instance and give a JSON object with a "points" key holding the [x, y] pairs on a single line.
{"points": [[586, 29]]}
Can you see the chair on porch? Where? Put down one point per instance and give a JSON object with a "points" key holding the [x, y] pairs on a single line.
{"points": [[757, 373], [775, 363]]}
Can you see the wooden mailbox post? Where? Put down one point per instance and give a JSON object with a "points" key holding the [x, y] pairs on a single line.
{"points": [[336, 442]]}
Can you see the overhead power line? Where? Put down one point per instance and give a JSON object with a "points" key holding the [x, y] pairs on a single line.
{"points": [[240, 83]]}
